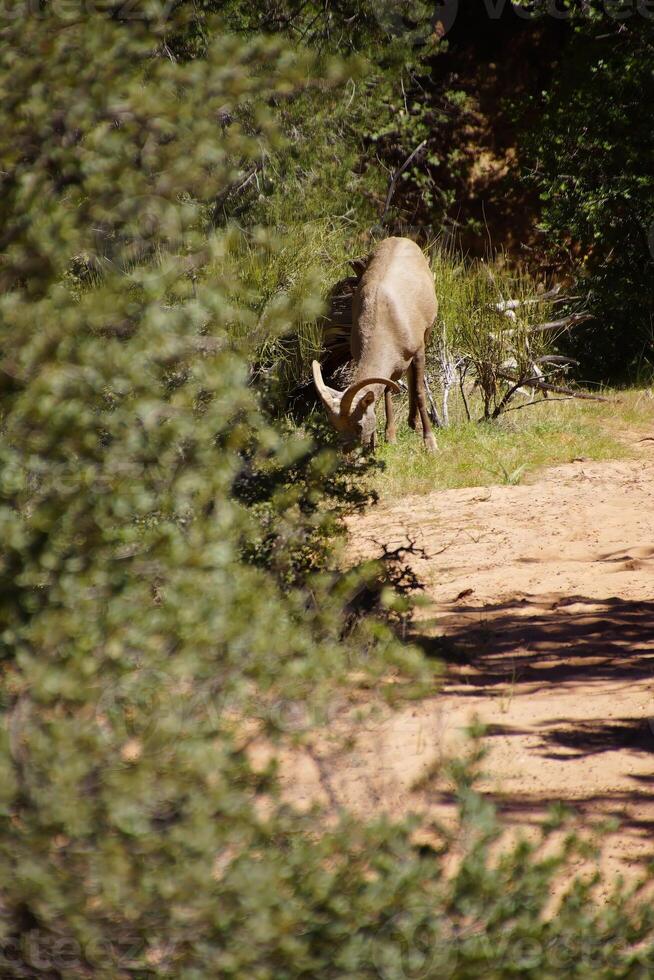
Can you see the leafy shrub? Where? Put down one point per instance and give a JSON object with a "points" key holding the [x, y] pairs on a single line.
{"points": [[144, 634], [133, 632]]}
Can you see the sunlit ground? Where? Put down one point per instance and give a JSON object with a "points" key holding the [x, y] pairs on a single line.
{"points": [[512, 449]]}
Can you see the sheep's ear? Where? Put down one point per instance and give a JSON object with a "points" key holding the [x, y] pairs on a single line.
{"points": [[368, 399], [330, 398]]}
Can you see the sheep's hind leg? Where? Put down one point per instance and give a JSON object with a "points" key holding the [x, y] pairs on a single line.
{"points": [[413, 401], [427, 434], [391, 430]]}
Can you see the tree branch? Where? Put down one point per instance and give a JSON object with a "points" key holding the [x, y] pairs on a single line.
{"points": [[564, 324], [396, 176], [546, 386]]}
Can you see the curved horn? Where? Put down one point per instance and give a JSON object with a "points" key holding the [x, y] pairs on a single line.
{"points": [[330, 396], [349, 394]]}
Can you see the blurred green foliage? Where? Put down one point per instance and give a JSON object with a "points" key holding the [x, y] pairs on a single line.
{"points": [[150, 594], [163, 591]]}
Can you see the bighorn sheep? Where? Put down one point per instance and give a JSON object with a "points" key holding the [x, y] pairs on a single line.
{"points": [[394, 309]]}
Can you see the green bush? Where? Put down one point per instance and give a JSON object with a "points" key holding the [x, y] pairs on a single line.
{"points": [[137, 621], [146, 632]]}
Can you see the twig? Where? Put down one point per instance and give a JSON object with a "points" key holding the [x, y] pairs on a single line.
{"points": [[556, 359], [169, 53], [513, 304], [396, 176], [497, 411], [448, 381], [565, 324], [462, 378], [538, 401], [354, 92], [323, 776], [234, 188], [406, 107]]}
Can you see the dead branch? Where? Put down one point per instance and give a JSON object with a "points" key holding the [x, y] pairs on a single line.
{"points": [[557, 359], [463, 370], [236, 187], [546, 386], [396, 176], [566, 323], [514, 304], [520, 383], [324, 777], [449, 377], [538, 401]]}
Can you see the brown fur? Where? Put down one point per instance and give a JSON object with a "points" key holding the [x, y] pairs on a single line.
{"points": [[394, 310]]}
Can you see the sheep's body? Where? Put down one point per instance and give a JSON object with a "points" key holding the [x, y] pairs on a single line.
{"points": [[394, 309]]}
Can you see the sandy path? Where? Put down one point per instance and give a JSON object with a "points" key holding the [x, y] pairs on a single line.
{"points": [[541, 602]]}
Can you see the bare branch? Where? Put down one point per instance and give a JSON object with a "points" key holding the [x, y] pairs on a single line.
{"points": [[564, 324], [463, 370], [234, 188], [513, 304], [557, 359], [520, 383], [538, 401], [396, 176], [546, 386]]}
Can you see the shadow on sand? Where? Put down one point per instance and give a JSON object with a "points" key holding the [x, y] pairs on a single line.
{"points": [[554, 640], [573, 643]]}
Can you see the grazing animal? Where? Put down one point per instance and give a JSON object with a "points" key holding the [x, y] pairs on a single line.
{"points": [[394, 309]]}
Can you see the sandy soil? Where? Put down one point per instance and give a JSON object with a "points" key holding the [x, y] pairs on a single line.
{"points": [[541, 603]]}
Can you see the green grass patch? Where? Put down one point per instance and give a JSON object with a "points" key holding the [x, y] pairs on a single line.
{"points": [[513, 449]]}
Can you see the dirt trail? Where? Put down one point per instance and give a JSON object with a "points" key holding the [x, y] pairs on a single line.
{"points": [[541, 602]]}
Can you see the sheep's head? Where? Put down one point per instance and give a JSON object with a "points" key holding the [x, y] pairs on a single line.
{"points": [[354, 418]]}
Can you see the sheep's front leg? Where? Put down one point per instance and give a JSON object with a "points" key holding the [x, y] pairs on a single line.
{"points": [[391, 431], [421, 398]]}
